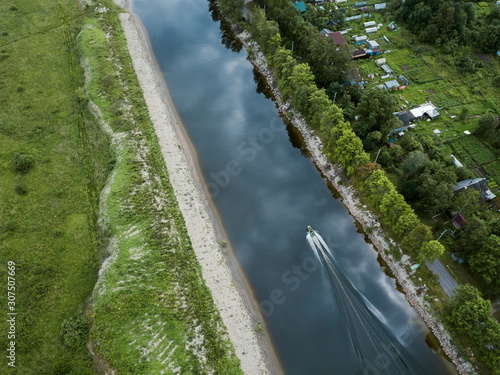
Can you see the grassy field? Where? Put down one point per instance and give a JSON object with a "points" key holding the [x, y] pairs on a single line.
{"points": [[151, 310], [48, 213]]}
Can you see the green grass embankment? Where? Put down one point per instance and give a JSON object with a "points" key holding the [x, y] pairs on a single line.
{"points": [[152, 310], [47, 213]]}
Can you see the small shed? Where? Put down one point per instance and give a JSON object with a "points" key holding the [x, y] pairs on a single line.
{"points": [[359, 54], [371, 30], [380, 62], [459, 221], [377, 51], [456, 162], [325, 31], [392, 83], [387, 69], [403, 117], [372, 44], [403, 79], [380, 6], [300, 5], [369, 23]]}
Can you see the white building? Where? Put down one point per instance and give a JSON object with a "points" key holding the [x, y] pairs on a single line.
{"points": [[428, 109]]}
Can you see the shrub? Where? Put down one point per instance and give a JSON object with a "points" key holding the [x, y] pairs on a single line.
{"points": [[8, 226], [74, 331], [22, 163], [20, 188]]}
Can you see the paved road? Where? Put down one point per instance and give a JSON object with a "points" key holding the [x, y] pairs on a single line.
{"points": [[447, 281]]}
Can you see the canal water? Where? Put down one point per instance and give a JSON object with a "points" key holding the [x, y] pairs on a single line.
{"points": [[267, 191]]}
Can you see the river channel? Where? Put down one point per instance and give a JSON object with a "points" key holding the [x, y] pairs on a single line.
{"points": [[266, 191]]}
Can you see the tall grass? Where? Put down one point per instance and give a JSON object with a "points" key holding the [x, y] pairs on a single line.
{"points": [[48, 213]]}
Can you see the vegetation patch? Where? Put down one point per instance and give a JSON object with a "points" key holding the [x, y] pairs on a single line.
{"points": [[151, 309], [53, 162]]}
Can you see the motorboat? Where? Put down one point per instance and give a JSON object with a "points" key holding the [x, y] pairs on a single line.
{"points": [[311, 231]]}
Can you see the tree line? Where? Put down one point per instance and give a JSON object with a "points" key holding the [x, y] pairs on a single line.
{"points": [[451, 22]]}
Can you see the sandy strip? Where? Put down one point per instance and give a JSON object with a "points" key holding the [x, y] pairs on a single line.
{"points": [[200, 225], [360, 212]]}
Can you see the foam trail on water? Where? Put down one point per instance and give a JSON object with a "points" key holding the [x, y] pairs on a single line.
{"points": [[371, 341]]}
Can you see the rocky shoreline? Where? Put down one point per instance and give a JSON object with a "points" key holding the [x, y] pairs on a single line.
{"points": [[364, 217]]}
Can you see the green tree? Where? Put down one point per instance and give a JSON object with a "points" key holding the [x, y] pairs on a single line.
{"points": [[302, 88], [415, 161], [332, 118], [263, 30], [390, 126], [431, 251], [475, 233], [413, 241], [319, 106], [393, 206], [349, 152], [436, 186], [487, 125], [486, 262], [375, 109], [494, 226], [467, 201], [377, 186], [467, 311], [232, 9]]}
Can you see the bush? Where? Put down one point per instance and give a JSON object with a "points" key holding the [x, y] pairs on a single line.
{"points": [[20, 188], [74, 331], [22, 163]]}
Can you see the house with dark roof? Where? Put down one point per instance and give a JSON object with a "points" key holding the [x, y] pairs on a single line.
{"points": [[403, 117], [359, 54], [479, 184], [337, 37]]}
